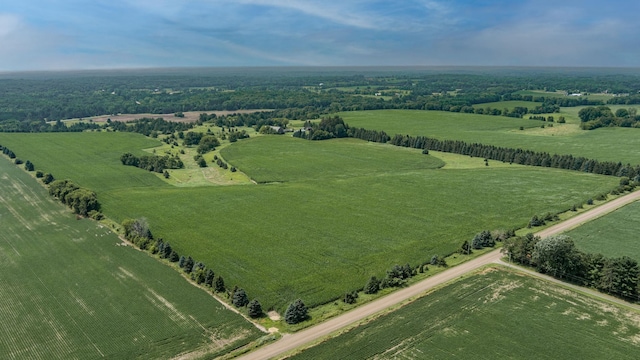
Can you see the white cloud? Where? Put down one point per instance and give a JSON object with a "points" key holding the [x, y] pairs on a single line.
{"points": [[337, 12]]}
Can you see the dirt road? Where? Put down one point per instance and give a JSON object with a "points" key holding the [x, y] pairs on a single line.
{"points": [[292, 341]]}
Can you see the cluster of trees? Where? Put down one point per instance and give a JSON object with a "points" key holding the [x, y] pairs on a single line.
{"points": [[396, 277], [190, 138], [153, 163], [484, 239], [81, 201], [327, 128], [150, 126], [255, 119], [235, 135], [547, 118], [602, 116], [207, 143], [559, 257]]}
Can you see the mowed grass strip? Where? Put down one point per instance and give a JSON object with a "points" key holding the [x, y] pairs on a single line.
{"points": [[606, 144], [68, 289], [612, 235], [493, 314]]}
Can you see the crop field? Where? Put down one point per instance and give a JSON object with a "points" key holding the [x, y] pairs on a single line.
{"points": [[612, 235], [270, 159], [70, 290], [330, 213], [494, 314], [94, 156], [606, 144]]}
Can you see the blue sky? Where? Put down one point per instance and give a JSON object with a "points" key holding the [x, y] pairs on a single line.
{"points": [[98, 34]]}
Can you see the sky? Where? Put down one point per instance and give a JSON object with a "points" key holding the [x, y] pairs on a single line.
{"points": [[112, 34]]}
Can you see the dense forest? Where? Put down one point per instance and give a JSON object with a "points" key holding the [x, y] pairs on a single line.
{"points": [[27, 100]]}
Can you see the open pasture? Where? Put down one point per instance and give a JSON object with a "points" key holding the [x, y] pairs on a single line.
{"points": [[493, 314], [612, 235], [605, 144], [70, 290]]}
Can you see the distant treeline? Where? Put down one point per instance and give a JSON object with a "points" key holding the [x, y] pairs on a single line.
{"points": [[29, 98]]}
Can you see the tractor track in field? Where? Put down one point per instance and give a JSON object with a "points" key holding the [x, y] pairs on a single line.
{"points": [[289, 342]]}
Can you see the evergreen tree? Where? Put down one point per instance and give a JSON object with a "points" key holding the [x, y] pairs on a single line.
{"points": [[254, 309], [174, 257], [188, 265], [296, 312], [219, 284], [239, 298]]}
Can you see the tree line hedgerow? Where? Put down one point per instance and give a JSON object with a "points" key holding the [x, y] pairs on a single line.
{"points": [[335, 128]]}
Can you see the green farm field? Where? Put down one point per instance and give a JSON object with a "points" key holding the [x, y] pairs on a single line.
{"points": [[494, 314], [71, 290], [612, 235], [605, 144], [330, 213]]}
